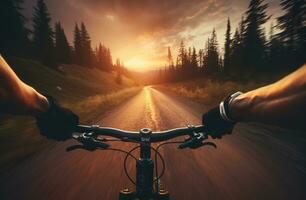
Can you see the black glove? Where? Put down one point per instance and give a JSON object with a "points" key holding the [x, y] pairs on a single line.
{"points": [[57, 123], [215, 125]]}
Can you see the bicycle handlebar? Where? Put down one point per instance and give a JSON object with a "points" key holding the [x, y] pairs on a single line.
{"points": [[157, 136]]}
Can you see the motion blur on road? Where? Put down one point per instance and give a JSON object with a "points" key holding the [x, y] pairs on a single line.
{"points": [[255, 162]]}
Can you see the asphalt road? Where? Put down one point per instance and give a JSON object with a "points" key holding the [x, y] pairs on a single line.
{"points": [[255, 162]]}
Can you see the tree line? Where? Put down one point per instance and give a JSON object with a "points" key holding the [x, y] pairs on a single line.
{"points": [[248, 50], [49, 45]]}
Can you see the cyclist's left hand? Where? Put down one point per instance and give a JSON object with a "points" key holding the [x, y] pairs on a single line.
{"points": [[215, 125], [57, 122]]}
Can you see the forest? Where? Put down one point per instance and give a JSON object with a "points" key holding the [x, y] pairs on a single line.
{"points": [[49, 44], [247, 50]]}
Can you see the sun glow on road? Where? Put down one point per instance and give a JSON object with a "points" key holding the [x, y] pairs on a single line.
{"points": [[151, 111]]}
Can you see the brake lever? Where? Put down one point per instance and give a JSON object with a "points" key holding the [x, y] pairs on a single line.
{"points": [[89, 143], [195, 146], [87, 147], [196, 141], [188, 142]]}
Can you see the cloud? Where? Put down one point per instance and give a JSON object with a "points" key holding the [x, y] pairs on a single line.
{"points": [[155, 16], [144, 28]]}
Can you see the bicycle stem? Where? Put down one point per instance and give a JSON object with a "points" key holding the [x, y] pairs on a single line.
{"points": [[145, 166]]}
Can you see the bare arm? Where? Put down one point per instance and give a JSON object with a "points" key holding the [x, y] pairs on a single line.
{"points": [[16, 97], [282, 103]]}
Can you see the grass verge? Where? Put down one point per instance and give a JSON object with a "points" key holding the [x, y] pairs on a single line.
{"points": [[210, 92]]}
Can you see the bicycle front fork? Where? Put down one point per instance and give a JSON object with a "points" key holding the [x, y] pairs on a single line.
{"points": [[144, 175], [144, 180], [144, 184]]}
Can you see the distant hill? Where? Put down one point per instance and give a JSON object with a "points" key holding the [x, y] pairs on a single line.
{"points": [[71, 81]]}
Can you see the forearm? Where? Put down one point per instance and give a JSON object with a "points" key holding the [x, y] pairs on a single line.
{"points": [[282, 103], [17, 97]]}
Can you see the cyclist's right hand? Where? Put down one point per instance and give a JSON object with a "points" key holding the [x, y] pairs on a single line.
{"points": [[215, 125], [57, 123], [218, 121]]}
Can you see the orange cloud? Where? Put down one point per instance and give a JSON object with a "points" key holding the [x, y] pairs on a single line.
{"points": [[139, 31]]}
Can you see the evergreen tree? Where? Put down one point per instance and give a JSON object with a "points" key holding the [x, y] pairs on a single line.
{"points": [[200, 58], [170, 58], [118, 68], [242, 30], [194, 61], [182, 56], [189, 57], [104, 58], [77, 45], [101, 58], [43, 34], [237, 50], [13, 34], [62, 48], [236, 54], [293, 30], [227, 48], [254, 43], [171, 68], [212, 55], [86, 51], [275, 51], [205, 56], [109, 60]]}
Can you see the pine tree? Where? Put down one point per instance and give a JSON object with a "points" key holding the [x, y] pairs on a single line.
{"points": [[118, 68], [43, 35], [194, 61], [205, 55], [170, 58], [109, 60], [254, 43], [242, 30], [236, 54], [237, 50], [182, 56], [293, 30], [86, 51], [200, 58], [104, 58], [101, 58], [212, 55], [13, 35], [275, 51], [77, 45], [62, 48], [227, 48], [189, 57]]}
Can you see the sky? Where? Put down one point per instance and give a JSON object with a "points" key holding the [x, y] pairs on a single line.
{"points": [[139, 31]]}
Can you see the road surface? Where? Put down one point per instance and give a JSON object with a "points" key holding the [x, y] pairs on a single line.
{"points": [[255, 162]]}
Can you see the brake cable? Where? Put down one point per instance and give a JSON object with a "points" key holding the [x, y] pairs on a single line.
{"points": [[130, 154], [156, 161]]}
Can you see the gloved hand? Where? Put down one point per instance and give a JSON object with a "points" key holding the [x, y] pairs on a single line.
{"points": [[57, 123], [215, 125]]}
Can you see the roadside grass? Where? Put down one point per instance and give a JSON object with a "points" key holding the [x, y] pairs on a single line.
{"points": [[88, 92], [94, 106], [210, 92]]}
